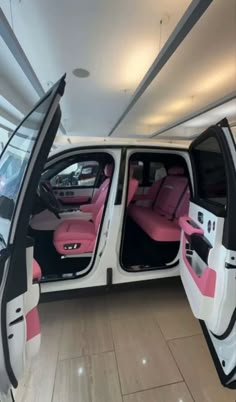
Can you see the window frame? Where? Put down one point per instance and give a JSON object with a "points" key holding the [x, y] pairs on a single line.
{"points": [[78, 187], [206, 202], [102, 158]]}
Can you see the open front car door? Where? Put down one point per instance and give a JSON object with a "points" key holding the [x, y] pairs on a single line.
{"points": [[208, 245], [21, 164]]}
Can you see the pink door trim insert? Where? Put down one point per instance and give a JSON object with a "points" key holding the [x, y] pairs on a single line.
{"points": [[206, 283], [32, 324], [188, 228]]}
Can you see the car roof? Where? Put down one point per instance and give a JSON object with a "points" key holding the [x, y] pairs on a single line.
{"points": [[106, 141]]}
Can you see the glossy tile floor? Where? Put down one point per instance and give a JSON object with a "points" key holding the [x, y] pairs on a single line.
{"points": [[139, 345]]}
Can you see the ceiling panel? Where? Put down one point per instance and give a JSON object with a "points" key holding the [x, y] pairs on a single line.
{"points": [[14, 86], [197, 125], [116, 41], [202, 70]]}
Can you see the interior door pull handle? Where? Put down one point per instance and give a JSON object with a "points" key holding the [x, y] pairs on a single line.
{"points": [[188, 228]]}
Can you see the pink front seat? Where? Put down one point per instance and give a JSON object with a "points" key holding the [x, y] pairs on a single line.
{"points": [[32, 317], [37, 273], [101, 193], [76, 236]]}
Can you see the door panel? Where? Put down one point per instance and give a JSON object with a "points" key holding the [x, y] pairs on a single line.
{"points": [[26, 152], [208, 245], [205, 279]]}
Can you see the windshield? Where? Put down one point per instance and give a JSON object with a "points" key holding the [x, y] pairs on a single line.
{"points": [[14, 162]]}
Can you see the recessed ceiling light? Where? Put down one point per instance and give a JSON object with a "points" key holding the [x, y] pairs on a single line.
{"points": [[81, 73]]}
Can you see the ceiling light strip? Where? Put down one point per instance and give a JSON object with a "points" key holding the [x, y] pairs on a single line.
{"points": [[191, 116], [18, 53], [184, 26]]}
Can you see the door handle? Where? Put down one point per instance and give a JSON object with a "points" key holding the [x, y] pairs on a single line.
{"points": [[190, 227]]}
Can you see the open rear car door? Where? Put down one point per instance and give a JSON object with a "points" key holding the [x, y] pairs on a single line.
{"points": [[21, 164], [208, 245]]}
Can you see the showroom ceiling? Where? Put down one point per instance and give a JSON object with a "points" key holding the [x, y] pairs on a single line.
{"points": [[117, 42]]}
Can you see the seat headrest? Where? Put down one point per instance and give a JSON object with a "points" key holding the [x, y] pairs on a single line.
{"points": [[176, 171], [108, 170]]}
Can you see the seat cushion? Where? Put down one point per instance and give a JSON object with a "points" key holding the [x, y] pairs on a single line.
{"points": [[75, 231], [158, 227]]}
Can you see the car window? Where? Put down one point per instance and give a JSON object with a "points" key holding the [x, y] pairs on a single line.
{"points": [[81, 174], [14, 162], [210, 171]]}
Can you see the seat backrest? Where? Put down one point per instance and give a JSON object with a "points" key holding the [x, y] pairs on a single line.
{"points": [[160, 174], [183, 207], [173, 198], [153, 190], [98, 218], [105, 184], [101, 199], [133, 185]]}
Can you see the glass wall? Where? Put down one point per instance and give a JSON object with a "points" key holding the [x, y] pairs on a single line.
{"points": [[4, 135]]}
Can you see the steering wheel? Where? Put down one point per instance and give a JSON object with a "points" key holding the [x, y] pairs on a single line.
{"points": [[48, 198]]}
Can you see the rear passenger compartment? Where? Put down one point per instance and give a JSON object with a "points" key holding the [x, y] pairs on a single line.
{"points": [[151, 232]]}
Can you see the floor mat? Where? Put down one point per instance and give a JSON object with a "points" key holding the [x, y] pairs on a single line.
{"points": [[140, 252]]}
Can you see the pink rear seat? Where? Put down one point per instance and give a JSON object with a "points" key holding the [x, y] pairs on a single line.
{"points": [[151, 194], [161, 222]]}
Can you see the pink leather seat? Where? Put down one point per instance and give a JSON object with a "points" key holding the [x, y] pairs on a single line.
{"points": [[76, 236], [133, 185], [37, 274], [101, 193], [32, 317], [151, 194], [161, 221]]}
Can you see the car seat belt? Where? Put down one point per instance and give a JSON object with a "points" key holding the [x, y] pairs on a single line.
{"points": [[179, 201], [158, 192]]}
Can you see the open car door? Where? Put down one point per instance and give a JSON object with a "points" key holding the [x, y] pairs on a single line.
{"points": [[208, 245], [21, 164]]}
